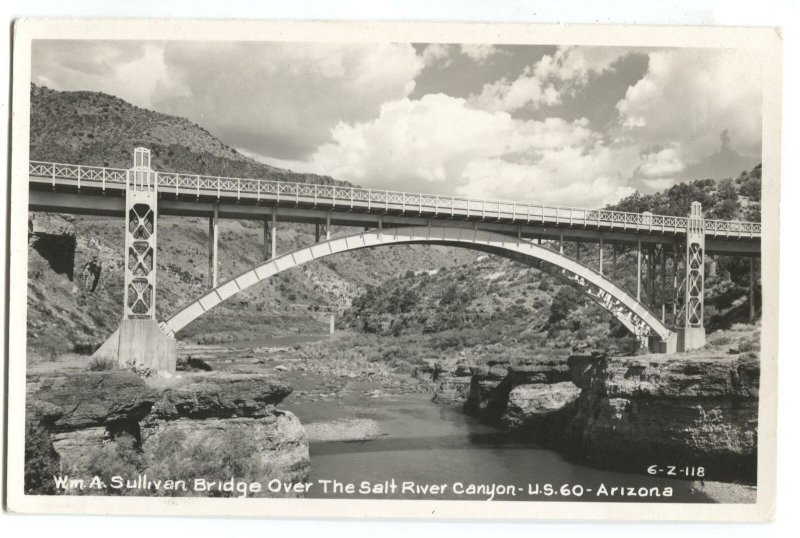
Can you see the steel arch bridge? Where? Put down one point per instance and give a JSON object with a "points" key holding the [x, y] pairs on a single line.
{"points": [[634, 315], [670, 250]]}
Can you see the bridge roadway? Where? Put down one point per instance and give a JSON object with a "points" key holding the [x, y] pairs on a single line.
{"points": [[79, 189]]}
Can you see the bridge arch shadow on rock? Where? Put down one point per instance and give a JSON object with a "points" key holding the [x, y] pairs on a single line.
{"points": [[634, 315]]}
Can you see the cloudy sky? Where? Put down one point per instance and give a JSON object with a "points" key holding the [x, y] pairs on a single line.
{"points": [[566, 125]]}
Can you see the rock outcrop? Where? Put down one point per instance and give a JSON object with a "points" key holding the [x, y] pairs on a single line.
{"points": [[536, 400], [453, 387], [541, 410], [699, 411], [89, 399], [627, 412], [486, 399], [203, 423]]}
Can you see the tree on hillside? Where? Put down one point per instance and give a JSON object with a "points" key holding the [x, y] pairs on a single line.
{"points": [[566, 299], [720, 199]]}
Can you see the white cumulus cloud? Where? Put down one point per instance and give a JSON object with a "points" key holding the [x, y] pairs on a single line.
{"points": [[437, 53], [548, 80], [282, 99], [479, 52], [688, 97], [440, 144], [576, 64], [509, 95], [665, 162]]}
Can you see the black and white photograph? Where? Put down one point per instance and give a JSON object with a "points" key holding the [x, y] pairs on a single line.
{"points": [[343, 266]]}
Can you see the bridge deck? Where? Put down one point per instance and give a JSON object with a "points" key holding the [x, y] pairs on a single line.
{"points": [[183, 194]]}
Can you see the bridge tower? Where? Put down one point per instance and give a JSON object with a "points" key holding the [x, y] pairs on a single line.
{"points": [[694, 332], [139, 341], [141, 199]]}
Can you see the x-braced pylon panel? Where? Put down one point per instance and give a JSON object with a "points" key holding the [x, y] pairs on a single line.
{"points": [[695, 269], [140, 239], [694, 285]]}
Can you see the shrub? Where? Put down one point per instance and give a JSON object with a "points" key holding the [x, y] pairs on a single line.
{"points": [[565, 301], [193, 364], [140, 371], [41, 460], [100, 364], [120, 457], [746, 345], [85, 347]]}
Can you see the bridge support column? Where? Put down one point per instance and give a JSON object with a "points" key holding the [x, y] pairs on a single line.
{"points": [[663, 284], [266, 238], [273, 236], [601, 253], [675, 298], [328, 226], [213, 222], [693, 335], [139, 341], [639, 270], [752, 296]]}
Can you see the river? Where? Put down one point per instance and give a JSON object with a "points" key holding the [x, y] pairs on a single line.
{"points": [[428, 443]]}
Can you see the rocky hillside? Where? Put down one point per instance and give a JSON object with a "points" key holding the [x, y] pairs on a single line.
{"points": [[101, 130], [484, 301], [730, 199], [63, 315], [503, 300]]}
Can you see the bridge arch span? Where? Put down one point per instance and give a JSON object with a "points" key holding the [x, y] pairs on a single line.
{"points": [[633, 314]]}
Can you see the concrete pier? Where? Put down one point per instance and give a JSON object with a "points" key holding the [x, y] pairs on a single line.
{"points": [[139, 343]]}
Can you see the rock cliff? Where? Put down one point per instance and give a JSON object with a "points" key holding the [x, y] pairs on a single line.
{"points": [[203, 425], [693, 410], [685, 410]]}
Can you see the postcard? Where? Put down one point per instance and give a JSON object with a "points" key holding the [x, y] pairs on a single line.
{"points": [[394, 270]]}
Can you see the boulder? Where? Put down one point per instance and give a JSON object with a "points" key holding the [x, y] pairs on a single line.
{"points": [[529, 405]]}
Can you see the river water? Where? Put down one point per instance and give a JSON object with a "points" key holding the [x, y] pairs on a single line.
{"points": [[426, 443]]}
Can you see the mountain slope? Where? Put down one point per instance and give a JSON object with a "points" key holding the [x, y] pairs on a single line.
{"points": [[101, 130], [62, 315], [504, 300]]}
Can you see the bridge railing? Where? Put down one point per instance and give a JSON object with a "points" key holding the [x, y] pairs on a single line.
{"points": [[340, 196]]}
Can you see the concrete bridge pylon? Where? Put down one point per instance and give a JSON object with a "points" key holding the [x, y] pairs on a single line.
{"points": [[140, 342]]}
